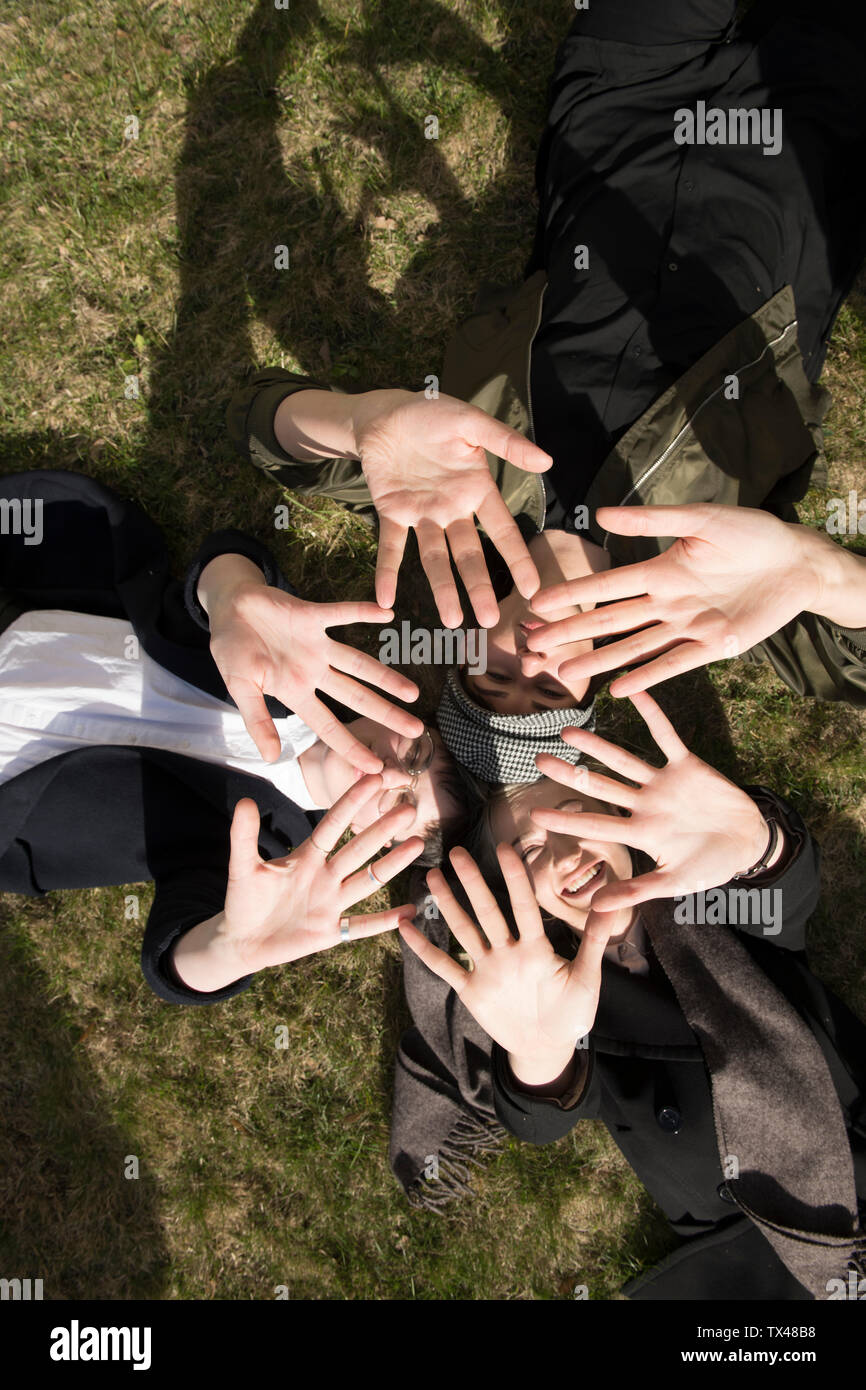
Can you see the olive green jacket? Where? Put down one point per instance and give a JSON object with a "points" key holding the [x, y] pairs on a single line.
{"points": [[742, 427]]}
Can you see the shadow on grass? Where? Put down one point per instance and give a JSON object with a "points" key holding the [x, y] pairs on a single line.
{"points": [[43, 449], [239, 196], [70, 1216]]}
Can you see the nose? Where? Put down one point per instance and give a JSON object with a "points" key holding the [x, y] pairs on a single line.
{"points": [[566, 852], [532, 663], [393, 775]]}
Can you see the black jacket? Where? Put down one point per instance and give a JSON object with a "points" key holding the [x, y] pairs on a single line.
{"points": [[111, 815], [648, 1083]]}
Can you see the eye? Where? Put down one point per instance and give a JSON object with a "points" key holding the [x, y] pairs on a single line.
{"points": [[416, 758], [415, 755], [496, 676], [551, 694], [529, 853]]}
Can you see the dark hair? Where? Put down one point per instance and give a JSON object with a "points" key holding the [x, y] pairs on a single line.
{"points": [[442, 835]]}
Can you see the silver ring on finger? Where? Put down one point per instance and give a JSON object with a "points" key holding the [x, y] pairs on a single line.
{"points": [[344, 929], [373, 877]]}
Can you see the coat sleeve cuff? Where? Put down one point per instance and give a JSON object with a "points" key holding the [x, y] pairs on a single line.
{"points": [[856, 636], [532, 1118], [157, 964], [251, 411], [230, 542]]}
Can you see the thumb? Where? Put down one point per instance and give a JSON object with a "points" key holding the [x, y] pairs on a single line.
{"points": [[482, 430], [250, 700], [244, 858], [352, 611], [631, 891], [585, 972], [656, 521], [597, 930]]}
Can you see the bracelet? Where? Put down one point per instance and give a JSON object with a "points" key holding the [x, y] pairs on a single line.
{"points": [[765, 858]]}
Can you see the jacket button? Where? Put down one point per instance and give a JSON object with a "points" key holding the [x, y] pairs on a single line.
{"points": [[725, 1193], [672, 265], [669, 1119]]}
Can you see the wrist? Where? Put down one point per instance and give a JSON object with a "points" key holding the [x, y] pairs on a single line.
{"points": [[838, 580], [771, 841], [368, 408], [203, 958], [551, 1072], [224, 579]]}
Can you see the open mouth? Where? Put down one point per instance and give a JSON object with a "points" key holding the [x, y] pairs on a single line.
{"points": [[525, 628], [521, 633], [584, 882]]}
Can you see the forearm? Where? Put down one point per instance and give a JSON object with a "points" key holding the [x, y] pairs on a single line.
{"points": [[560, 556], [840, 580], [313, 425]]}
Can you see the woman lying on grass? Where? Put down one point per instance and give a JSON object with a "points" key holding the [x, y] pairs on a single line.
{"points": [[687, 1020], [133, 727]]}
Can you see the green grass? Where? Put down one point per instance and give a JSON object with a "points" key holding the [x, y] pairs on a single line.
{"points": [[262, 1167]]}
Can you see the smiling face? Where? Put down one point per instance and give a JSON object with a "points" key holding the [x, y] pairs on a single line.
{"points": [[565, 871], [518, 681]]}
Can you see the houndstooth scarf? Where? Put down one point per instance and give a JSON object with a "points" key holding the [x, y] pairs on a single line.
{"points": [[502, 747]]}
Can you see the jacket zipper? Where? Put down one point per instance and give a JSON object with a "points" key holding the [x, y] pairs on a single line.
{"points": [[687, 426], [542, 494]]}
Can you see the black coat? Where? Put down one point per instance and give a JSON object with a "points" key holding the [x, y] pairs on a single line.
{"points": [[110, 815], [648, 1083]]}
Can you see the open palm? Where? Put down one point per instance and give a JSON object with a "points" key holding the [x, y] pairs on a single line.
{"points": [[279, 910], [699, 828], [531, 1001], [268, 642], [426, 468], [733, 576]]}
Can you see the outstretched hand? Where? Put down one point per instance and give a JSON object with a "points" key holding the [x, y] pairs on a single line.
{"points": [[426, 469], [699, 828], [278, 910], [536, 1005], [265, 641], [734, 576]]}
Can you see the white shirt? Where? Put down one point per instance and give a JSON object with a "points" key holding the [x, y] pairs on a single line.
{"points": [[75, 680]]}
